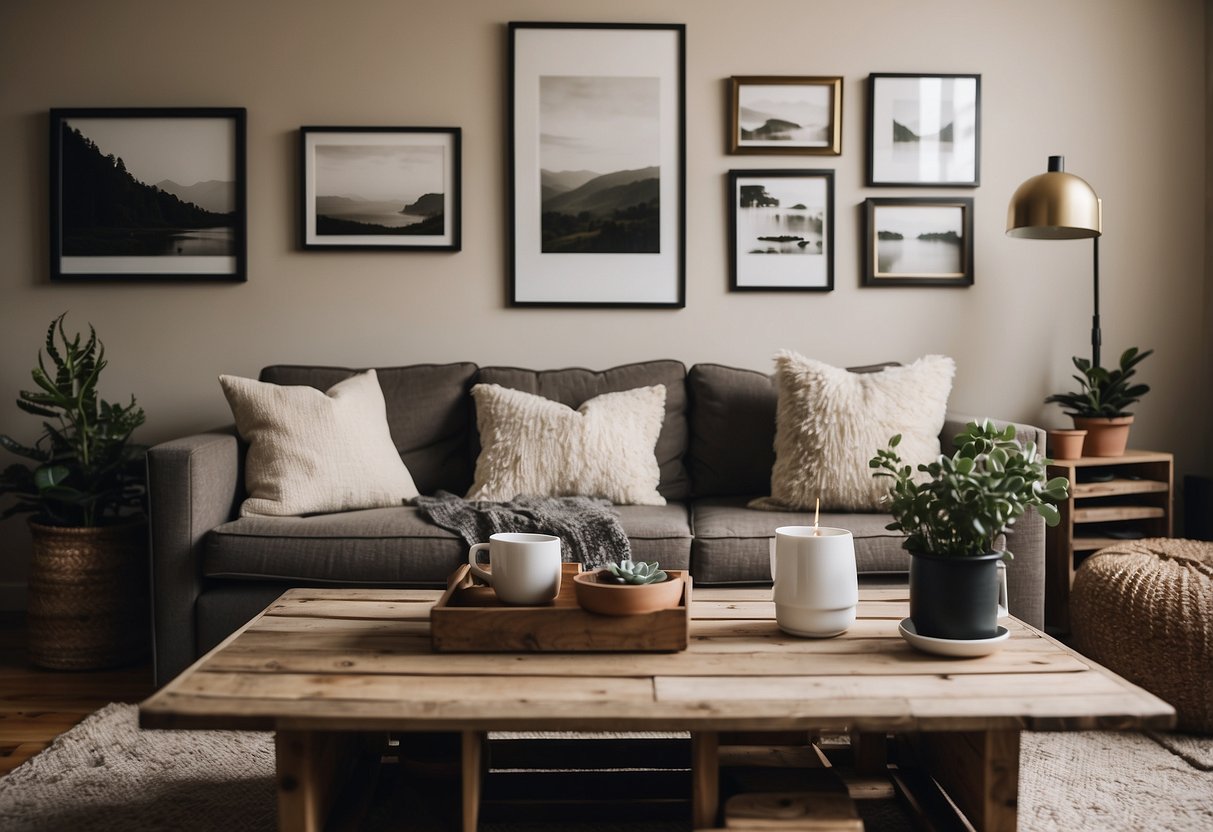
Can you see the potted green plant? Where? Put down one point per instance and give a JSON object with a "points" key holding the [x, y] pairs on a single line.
{"points": [[952, 512], [88, 596], [1100, 405], [627, 587]]}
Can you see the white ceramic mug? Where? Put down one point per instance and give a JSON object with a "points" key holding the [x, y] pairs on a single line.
{"points": [[525, 567], [816, 586]]}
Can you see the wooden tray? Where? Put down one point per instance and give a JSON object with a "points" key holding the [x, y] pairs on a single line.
{"points": [[468, 618]]}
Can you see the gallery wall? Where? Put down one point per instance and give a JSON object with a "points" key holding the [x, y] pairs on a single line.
{"points": [[1115, 85]]}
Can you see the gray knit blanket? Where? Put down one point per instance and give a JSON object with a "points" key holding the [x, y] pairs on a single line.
{"points": [[588, 528]]}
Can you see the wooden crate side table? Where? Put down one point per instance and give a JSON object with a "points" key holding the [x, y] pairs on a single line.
{"points": [[1137, 498]]}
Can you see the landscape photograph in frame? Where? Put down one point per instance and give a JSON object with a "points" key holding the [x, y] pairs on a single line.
{"points": [[148, 194], [924, 130], [597, 164], [918, 242], [380, 188], [782, 230], [785, 114]]}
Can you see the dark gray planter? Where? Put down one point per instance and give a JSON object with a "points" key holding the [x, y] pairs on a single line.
{"points": [[954, 597]]}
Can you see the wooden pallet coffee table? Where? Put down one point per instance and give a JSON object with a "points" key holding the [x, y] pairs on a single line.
{"points": [[328, 668]]}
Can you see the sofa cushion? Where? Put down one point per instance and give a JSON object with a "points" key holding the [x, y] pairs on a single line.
{"points": [[574, 386], [394, 546], [732, 542], [533, 445], [316, 452], [830, 422], [428, 410], [731, 414]]}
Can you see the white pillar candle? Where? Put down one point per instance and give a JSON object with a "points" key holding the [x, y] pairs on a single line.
{"points": [[816, 587]]}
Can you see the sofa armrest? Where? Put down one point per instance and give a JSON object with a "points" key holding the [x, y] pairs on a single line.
{"points": [[1025, 539], [193, 486]]}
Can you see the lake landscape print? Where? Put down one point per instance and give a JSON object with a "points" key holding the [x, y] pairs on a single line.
{"points": [[599, 154], [790, 114], [781, 216], [919, 241], [380, 189], [146, 188]]}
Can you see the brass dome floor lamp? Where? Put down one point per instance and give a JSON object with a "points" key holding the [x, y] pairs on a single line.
{"points": [[1060, 206]]}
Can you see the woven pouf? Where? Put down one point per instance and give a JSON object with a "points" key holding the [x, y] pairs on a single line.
{"points": [[1144, 609]]}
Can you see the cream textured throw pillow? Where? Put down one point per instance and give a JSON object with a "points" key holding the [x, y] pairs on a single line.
{"points": [[313, 452], [830, 422], [533, 445]]}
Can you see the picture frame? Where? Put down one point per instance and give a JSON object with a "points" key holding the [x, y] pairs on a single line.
{"points": [[924, 130], [148, 194], [380, 188], [918, 241], [596, 139], [782, 230], [785, 114]]}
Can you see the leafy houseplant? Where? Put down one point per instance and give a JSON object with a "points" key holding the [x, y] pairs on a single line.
{"points": [[87, 471], [88, 597], [952, 511], [1100, 405]]}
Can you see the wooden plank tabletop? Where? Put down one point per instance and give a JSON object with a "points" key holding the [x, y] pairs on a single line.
{"points": [[360, 659]]}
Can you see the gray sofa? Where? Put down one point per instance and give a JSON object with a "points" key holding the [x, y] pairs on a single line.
{"points": [[213, 570]]}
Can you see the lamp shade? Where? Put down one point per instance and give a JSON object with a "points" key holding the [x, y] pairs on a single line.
{"points": [[1054, 206]]}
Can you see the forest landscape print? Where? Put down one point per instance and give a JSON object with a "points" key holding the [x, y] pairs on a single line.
{"points": [[599, 157], [148, 196]]}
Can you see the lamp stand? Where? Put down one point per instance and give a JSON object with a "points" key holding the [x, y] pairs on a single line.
{"points": [[1096, 335]]}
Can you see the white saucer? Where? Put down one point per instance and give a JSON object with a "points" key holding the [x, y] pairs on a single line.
{"points": [[963, 648]]}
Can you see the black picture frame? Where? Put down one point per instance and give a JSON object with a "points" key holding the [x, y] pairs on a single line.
{"points": [[380, 188], [774, 246], [625, 248], [895, 255], [108, 223], [782, 115], [924, 130]]}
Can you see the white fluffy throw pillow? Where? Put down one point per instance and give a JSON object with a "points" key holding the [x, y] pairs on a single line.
{"points": [[830, 422], [533, 445], [312, 452]]}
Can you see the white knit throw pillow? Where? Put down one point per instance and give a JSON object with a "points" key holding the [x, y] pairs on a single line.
{"points": [[312, 452], [533, 445], [830, 422]]}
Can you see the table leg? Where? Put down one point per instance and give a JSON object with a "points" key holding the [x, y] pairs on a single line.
{"points": [[705, 778], [470, 773], [310, 769], [980, 772]]}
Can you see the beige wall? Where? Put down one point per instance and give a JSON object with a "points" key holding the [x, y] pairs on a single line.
{"points": [[1115, 85]]}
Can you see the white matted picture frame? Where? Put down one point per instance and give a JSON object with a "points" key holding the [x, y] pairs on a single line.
{"points": [[924, 130], [782, 230], [148, 193], [597, 164], [380, 188], [918, 241], [785, 114]]}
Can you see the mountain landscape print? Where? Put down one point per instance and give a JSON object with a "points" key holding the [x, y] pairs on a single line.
{"points": [[600, 181], [795, 114], [379, 189], [147, 187]]}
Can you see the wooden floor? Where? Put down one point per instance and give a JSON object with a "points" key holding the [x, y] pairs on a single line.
{"points": [[38, 705]]}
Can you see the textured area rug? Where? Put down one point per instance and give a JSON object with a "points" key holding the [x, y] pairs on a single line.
{"points": [[1197, 750], [106, 774]]}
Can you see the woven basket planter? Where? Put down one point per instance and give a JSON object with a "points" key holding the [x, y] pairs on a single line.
{"points": [[88, 596], [1145, 610]]}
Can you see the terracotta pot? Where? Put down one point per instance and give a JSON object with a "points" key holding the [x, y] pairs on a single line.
{"points": [[88, 604], [1105, 437], [1066, 444], [625, 599]]}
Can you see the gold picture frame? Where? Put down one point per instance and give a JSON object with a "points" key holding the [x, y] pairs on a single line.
{"points": [[785, 115]]}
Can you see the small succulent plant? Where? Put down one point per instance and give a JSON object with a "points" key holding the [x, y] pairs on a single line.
{"points": [[628, 571]]}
